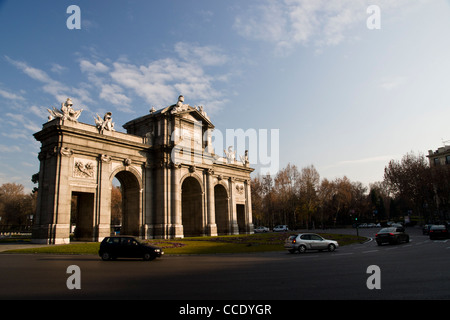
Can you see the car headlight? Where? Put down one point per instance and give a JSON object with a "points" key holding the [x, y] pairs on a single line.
{"points": [[157, 250]]}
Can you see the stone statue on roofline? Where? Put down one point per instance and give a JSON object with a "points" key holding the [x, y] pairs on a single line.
{"points": [[244, 159], [66, 112], [105, 123], [180, 106], [202, 112], [230, 154]]}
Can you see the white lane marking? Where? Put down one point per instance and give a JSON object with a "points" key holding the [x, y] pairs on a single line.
{"points": [[343, 254], [370, 251]]}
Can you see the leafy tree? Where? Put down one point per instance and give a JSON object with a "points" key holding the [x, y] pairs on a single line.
{"points": [[16, 207], [410, 180]]}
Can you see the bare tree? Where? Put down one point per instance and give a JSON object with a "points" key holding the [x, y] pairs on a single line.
{"points": [[286, 194], [116, 206], [309, 184]]}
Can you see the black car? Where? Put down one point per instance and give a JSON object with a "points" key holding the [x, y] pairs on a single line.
{"points": [[127, 247], [438, 232], [391, 235]]}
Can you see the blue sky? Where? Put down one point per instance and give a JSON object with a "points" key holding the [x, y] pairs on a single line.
{"points": [[344, 98]]}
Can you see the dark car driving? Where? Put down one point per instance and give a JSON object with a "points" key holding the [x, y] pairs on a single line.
{"points": [[127, 247], [391, 235], [438, 232]]}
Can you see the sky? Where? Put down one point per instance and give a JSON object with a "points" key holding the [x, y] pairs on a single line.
{"points": [[331, 90]]}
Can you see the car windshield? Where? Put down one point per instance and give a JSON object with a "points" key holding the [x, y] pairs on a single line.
{"points": [[138, 240], [387, 230], [439, 227]]}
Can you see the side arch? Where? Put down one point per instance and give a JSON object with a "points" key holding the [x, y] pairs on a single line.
{"points": [[192, 210], [221, 199], [194, 176]]}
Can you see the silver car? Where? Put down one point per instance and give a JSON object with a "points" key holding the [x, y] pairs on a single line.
{"points": [[309, 241]]}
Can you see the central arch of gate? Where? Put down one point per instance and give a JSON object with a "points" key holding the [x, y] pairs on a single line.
{"points": [[131, 186], [173, 183]]}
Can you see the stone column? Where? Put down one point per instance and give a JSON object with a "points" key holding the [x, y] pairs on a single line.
{"points": [[61, 218], [103, 219], [232, 207], [211, 228], [248, 207], [42, 223], [160, 225], [148, 202], [177, 224]]}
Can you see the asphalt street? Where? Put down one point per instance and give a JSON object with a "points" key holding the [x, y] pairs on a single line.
{"points": [[416, 270]]}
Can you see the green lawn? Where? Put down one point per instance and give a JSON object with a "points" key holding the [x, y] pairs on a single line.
{"points": [[200, 245]]}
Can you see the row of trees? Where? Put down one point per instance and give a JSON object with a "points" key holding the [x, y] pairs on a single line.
{"points": [[299, 198]]}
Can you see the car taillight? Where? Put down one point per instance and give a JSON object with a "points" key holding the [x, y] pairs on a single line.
{"points": [[376, 235], [294, 241], [391, 234]]}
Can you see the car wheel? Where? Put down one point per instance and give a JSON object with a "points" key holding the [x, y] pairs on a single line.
{"points": [[407, 239], [106, 256], [302, 249], [148, 256], [331, 247]]}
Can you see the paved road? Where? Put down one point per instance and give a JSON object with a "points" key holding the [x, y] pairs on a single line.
{"points": [[417, 270]]}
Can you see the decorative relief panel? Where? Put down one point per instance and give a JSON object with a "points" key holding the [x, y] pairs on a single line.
{"points": [[239, 192], [240, 189], [84, 168]]}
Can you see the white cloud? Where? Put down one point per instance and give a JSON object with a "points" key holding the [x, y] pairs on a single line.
{"points": [[10, 95], [385, 158], [87, 66], [204, 55], [4, 148], [16, 135], [113, 94], [34, 73], [320, 23], [55, 88], [161, 81], [39, 111], [362, 162], [291, 22], [267, 21], [24, 122], [56, 68], [391, 83], [158, 82]]}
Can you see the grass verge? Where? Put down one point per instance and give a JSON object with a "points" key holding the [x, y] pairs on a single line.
{"points": [[199, 245]]}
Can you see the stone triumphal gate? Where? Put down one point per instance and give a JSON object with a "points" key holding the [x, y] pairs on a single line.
{"points": [[173, 183]]}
